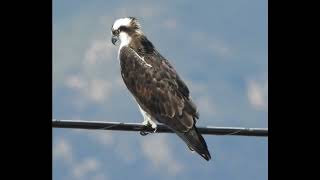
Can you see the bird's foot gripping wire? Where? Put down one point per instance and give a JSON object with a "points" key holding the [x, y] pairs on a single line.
{"points": [[147, 126], [143, 133]]}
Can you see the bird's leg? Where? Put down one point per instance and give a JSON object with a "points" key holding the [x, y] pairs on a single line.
{"points": [[145, 124], [151, 122], [148, 123], [145, 121], [153, 125]]}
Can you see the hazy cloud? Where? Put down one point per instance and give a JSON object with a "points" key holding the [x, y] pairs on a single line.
{"points": [[102, 137], [98, 50], [158, 151], [202, 98], [205, 105], [214, 44], [62, 150], [258, 94], [79, 168], [146, 11], [170, 24], [99, 90], [220, 48], [75, 82], [100, 176], [96, 90], [86, 166], [122, 146]]}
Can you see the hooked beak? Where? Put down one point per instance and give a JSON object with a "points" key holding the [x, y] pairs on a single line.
{"points": [[114, 39]]}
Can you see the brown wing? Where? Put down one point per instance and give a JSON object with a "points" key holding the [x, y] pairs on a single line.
{"points": [[182, 87], [158, 89]]}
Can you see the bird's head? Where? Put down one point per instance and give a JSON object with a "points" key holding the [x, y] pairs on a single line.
{"points": [[124, 28]]}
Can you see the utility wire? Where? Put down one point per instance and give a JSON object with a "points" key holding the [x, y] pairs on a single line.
{"points": [[119, 126]]}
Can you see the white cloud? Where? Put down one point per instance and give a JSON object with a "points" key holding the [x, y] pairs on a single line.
{"points": [[258, 94], [92, 81], [104, 138], [202, 98], [88, 165], [99, 90], [84, 61], [205, 105], [158, 151], [218, 46], [170, 24], [78, 169], [122, 146], [98, 50], [75, 82], [95, 90], [70, 39], [62, 150], [125, 149]]}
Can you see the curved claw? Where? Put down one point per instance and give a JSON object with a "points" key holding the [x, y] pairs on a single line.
{"points": [[155, 130], [147, 126], [143, 133]]}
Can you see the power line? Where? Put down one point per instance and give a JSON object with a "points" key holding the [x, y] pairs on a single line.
{"points": [[119, 126]]}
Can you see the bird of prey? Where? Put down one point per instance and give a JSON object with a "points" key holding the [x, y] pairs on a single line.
{"points": [[161, 94]]}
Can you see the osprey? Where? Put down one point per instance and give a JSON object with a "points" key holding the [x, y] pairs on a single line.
{"points": [[159, 91]]}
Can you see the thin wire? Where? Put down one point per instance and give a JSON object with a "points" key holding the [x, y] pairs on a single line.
{"points": [[235, 132], [110, 126], [57, 123]]}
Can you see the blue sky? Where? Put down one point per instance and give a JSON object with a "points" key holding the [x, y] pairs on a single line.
{"points": [[219, 48]]}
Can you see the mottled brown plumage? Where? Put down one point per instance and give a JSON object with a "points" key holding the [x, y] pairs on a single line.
{"points": [[157, 87]]}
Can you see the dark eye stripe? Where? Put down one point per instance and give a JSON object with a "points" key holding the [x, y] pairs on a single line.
{"points": [[124, 28]]}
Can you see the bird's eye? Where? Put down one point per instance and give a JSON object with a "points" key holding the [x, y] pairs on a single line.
{"points": [[116, 32]]}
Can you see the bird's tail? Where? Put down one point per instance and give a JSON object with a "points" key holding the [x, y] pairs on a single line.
{"points": [[195, 142]]}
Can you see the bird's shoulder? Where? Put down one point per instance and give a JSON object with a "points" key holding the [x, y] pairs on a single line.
{"points": [[168, 71], [155, 65]]}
